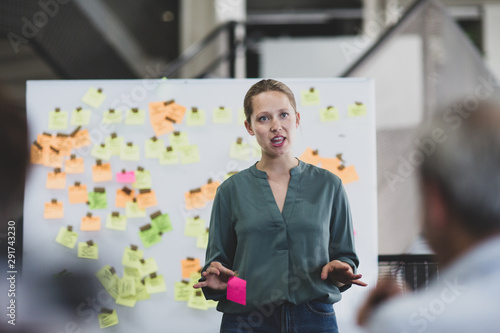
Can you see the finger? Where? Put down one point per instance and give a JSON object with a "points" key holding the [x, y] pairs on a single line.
{"points": [[200, 285], [221, 269], [359, 283], [325, 271], [213, 270]]}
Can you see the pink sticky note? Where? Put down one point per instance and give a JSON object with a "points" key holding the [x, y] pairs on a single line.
{"points": [[237, 290], [125, 177]]}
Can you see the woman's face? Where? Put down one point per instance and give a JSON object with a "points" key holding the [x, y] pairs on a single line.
{"points": [[273, 122]]}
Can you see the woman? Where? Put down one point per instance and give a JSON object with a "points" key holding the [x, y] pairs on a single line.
{"points": [[284, 226]]}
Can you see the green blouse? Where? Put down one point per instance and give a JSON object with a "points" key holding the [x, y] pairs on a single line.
{"points": [[280, 255]]}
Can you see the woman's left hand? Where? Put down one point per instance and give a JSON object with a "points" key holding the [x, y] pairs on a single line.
{"points": [[341, 272]]}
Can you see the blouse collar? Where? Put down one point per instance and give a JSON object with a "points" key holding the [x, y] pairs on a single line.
{"points": [[262, 174]]}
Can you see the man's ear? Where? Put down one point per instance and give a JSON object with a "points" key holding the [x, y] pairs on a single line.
{"points": [[435, 204], [248, 126]]}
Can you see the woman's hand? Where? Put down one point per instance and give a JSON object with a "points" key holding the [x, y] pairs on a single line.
{"points": [[341, 272], [216, 277]]}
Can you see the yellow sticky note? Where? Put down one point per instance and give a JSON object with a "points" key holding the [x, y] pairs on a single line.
{"points": [[116, 222], [112, 116], [142, 179], [178, 139], [66, 237], [196, 118], [88, 251], [124, 195], [109, 280], [126, 287], [153, 147], [155, 285], [147, 266], [357, 109], [188, 266], [94, 97], [80, 117], [131, 272], [77, 194], [241, 116], [240, 151], [140, 291], [328, 114], [128, 301], [101, 152], [202, 240], [74, 165], [194, 227], [130, 152], [182, 290], [135, 117], [107, 320], [189, 154], [146, 198], [131, 258], [90, 223], [58, 120], [169, 156], [197, 300], [102, 173], [81, 139], [56, 180], [310, 97], [132, 210], [53, 210], [115, 144], [222, 115]]}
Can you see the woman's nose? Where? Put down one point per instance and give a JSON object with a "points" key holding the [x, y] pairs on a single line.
{"points": [[275, 125]]}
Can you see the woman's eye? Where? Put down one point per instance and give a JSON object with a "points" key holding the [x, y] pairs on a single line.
{"points": [[263, 118], [284, 115]]}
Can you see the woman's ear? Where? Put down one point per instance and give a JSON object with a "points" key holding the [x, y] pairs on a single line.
{"points": [[248, 126], [297, 121]]}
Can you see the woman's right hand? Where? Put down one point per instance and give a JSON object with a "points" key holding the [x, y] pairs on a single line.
{"points": [[216, 277]]}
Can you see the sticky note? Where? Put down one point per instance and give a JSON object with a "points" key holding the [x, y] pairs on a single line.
{"points": [[356, 110], [182, 291], [135, 117], [240, 151], [196, 118], [202, 240], [169, 156], [241, 116], [197, 300], [112, 116], [36, 153], [161, 222], [178, 139], [109, 280], [56, 180], [45, 139], [175, 112], [66, 237], [81, 139], [58, 120], [222, 115], [132, 272], [153, 147], [146, 198], [140, 291], [330, 164], [130, 152], [229, 174], [142, 179], [80, 117], [189, 154], [311, 157], [90, 223], [155, 285], [328, 114], [53, 158], [116, 222], [310, 97], [115, 144], [126, 287], [209, 189], [150, 237], [63, 143], [125, 177], [123, 196], [77, 194], [347, 174], [74, 165], [190, 265], [88, 251], [194, 227], [53, 210], [237, 290], [101, 173], [128, 301], [107, 320], [131, 257], [147, 266], [94, 97], [101, 152], [132, 210], [161, 126], [98, 200], [194, 199], [157, 110]]}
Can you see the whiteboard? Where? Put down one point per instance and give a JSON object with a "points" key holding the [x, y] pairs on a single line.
{"points": [[353, 137]]}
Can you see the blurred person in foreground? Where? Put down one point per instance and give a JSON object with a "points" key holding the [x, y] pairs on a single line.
{"points": [[460, 180]]}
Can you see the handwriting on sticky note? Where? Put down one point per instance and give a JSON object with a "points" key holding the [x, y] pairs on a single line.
{"points": [[175, 112], [142, 179], [107, 320], [189, 154], [56, 180], [77, 194], [102, 173], [329, 114], [135, 117], [53, 158], [125, 177], [161, 222], [357, 109], [237, 290], [88, 251], [66, 237], [169, 156], [45, 139], [53, 210], [196, 117], [98, 200], [36, 155], [153, 147], [74, 165], [181, 291], [310, 97], [132, 210], [64, 143], [146, 198], [147, 266], [81, 139], [94, 97], [123, 196], [194, 227], [150, 236], [115, 221], [222, 115], [189, 265], [58, 120], [90, 223], [131, 257]]}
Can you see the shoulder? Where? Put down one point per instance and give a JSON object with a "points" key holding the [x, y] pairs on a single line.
{"points": [[318, 174], [235, 181]]}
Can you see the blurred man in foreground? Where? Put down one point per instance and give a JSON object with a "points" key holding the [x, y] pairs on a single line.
{"points": [[461, 196]]}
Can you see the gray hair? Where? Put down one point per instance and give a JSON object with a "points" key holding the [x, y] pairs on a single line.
{"points": [[466, 164]]}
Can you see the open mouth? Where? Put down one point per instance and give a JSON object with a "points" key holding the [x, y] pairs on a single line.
{"points": [[278, 141]]}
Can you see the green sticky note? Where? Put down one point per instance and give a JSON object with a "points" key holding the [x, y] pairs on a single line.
{"points": [[150, 237], [141, 293], [222, 116], [88, 251], [196, 118], [126, 287], [240, 151], [241, 116], [112, 116], [80, 117], [107, 320], [115, 144], [202, 240], [94, 98], [178, 139], [131, 257], [66, 237], [169, 157], [155, 285], [148, 266], [101, 152], [162, 223], [135, 118], [356, 110], [132, 210], [142, 180], [329, 114], [197, 300], [189, 154], [310, 97], [116, 222], [131, 272], [153, 149], [58, 120], [98, 200], [128, 301], [130, 152], [181, 291], [194, 227]]}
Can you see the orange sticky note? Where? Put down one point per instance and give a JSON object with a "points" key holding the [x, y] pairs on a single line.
{"points": [[45, 139], [157, 110], [146, 198], [347, 174], [74, 165], [64, 144], [175, 112], [208, 190], [81, 139], [78, 193], [189, 265], [102, 173], [310, 156], [53, 210], [56, 180], [194, 199], [330, 164], [90, 223], [36, 156], [52, 157], [124, 195], [161, 126]]}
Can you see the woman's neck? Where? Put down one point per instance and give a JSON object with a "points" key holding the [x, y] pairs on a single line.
{"points": [[278, 165]]}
